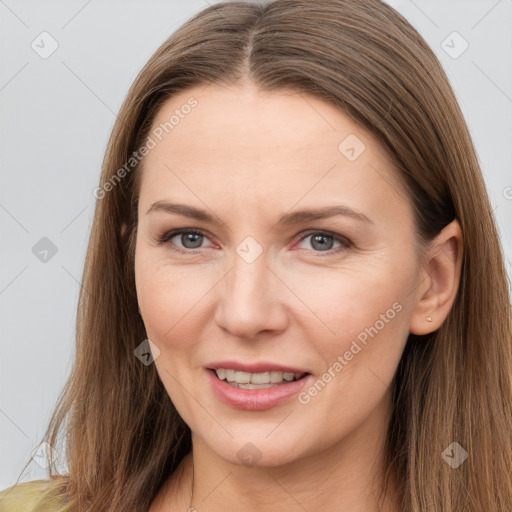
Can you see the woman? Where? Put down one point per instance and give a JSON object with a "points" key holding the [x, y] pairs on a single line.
{"points": [[294, 295]]}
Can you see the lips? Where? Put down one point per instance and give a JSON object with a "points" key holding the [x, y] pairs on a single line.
{"points": [[256, 397], [257, 367]]}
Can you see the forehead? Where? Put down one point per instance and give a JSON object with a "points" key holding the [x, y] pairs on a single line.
{"points": [[257, 122], [251, 146]]}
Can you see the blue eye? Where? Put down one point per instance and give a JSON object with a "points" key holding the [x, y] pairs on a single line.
{"points": [[188, 240], [323, 241]]}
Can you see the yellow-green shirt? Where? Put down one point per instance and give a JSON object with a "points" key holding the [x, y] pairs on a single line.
{"points": [[30, 497]]}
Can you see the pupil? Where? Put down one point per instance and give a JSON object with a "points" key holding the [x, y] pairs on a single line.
{"points": [[316, 238], [194, 238]]}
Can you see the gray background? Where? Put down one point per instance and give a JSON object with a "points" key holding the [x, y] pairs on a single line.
{"points": [[56, 116]]}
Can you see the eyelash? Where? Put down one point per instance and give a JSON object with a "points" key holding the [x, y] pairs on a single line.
{"points": [[167, 236]]}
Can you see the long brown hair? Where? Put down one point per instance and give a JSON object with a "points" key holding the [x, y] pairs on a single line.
{"points": [[124, 436]]}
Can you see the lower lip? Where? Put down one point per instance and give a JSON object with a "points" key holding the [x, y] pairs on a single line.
{"points": [[255, 399]]}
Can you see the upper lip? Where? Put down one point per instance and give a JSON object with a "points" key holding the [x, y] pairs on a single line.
{"points": [[261, 367]]}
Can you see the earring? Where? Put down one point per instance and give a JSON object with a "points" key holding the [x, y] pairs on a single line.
{"points": [[429, 319]]}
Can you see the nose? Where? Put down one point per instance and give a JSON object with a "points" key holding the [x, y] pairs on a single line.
{"points": [[250, 300]]}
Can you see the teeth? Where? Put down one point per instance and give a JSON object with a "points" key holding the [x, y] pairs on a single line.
{"points": [[242, 377], [276, 376], [253, 386], [260, 378], [256, 380]]}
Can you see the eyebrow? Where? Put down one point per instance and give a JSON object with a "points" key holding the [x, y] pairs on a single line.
{"points": [[296, 217]]}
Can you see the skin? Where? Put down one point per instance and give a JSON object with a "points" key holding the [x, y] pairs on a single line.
{"points": [[249, 157]]}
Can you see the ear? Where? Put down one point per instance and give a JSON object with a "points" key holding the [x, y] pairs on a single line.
{"points": [[438, 280]]}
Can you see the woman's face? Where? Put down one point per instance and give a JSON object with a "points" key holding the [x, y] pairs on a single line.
{"points": [[266, 282]]}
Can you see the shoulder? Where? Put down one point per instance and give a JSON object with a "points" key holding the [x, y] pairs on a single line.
{"points": [[34, 496]]}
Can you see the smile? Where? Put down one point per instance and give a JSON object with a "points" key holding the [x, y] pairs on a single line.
{"points": [[247, 380], [255, 391]]}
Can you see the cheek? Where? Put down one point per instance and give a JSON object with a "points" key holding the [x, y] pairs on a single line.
{"points": [[169, 299], [360, 313], [168, 302], [347, 301], [369, 318]]}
